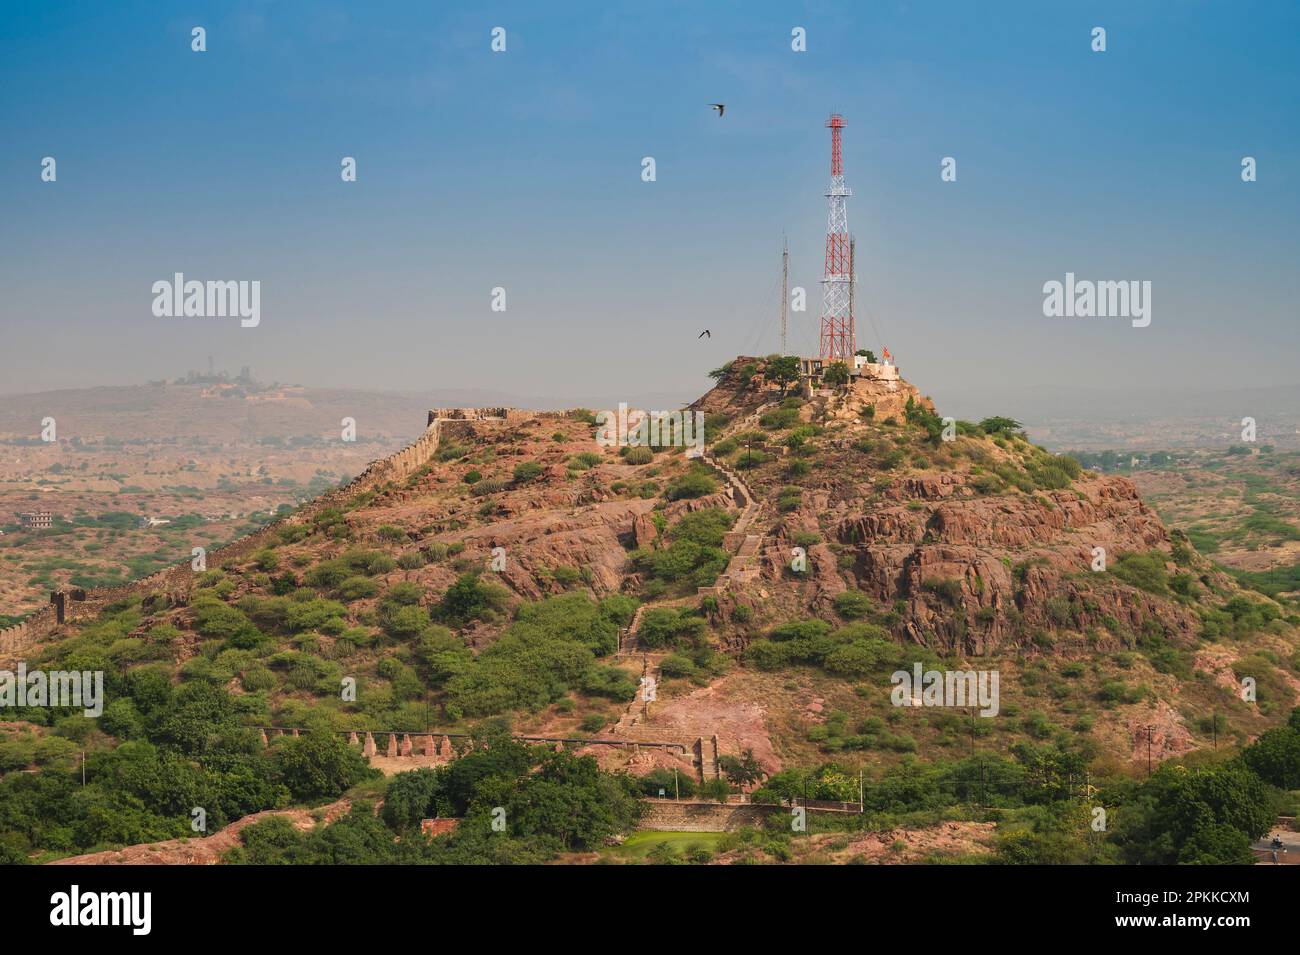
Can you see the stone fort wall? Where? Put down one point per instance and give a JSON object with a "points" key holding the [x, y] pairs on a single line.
{"points": [[176, 582]]}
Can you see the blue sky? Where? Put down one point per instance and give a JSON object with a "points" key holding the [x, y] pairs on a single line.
{"points": [[522, 170]]}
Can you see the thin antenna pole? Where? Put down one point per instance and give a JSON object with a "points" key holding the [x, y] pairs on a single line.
{"points": [[785, 288]]}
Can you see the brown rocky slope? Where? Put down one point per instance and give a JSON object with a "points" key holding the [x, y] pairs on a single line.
{"points": [[978, 546]]}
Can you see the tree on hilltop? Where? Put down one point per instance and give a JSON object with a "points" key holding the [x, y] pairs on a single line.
{"points": [[784, 371], [836, 375]]}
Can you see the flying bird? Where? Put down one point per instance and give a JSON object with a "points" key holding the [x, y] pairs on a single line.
{"points": [[704, 334], [720, 107]]}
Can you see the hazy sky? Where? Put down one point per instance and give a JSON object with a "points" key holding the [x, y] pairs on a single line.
{"points": [[522, 169]]}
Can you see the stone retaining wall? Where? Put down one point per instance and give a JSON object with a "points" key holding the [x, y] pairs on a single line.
{"points": [[670, 815]]}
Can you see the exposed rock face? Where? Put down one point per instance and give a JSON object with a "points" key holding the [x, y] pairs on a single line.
{"points": [[538, 537], [885, 392], [965, 561], [978, 574]]}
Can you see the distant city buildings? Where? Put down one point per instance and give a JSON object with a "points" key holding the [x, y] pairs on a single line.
{"points": [[37, 520]]}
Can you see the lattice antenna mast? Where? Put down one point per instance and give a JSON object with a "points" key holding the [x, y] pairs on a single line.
{"points": [[837, 335], [853, 282], [785, 290]]}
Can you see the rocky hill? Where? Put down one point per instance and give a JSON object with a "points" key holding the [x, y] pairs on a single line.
{"points": [[514, 566]]}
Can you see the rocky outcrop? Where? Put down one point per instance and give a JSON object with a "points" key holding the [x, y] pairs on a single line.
{"points": [[980, 574]]}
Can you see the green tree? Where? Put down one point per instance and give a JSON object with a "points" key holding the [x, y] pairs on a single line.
{"points": [[1217, 844], [1275, 757], [836, 375], [744, 770], [318, 765], [411, 797], [1180, 807], [784, 371], [465, 600], [1001, 425]]}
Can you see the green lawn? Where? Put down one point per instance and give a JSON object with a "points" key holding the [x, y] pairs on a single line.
{"points": [[638, 845]]}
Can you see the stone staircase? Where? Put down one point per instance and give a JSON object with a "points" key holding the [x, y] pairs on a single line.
{"points": [[633, 715], [628, 644], [704, 757], [744, 546]]}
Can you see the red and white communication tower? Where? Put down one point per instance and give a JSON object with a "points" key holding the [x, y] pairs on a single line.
{"points": [[837, 338]]}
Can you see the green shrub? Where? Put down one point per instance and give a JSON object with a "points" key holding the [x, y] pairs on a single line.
{"points": [[852, 604], [357, 588], [790, 498], [566, 576], [1146, 571], [526, 471], [594, 723], [695, 483], [257, 678], [947, 589], [489, 486], [663, 626]]}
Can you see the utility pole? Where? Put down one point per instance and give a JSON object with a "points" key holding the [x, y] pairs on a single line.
{"points": [[1150, 730], [677, 792], [785, 288], [1214, 719]]}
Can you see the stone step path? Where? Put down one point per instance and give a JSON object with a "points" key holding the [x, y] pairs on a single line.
{"points": [[743, 566], [634, 714], [705, 759], [627, 643]]}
